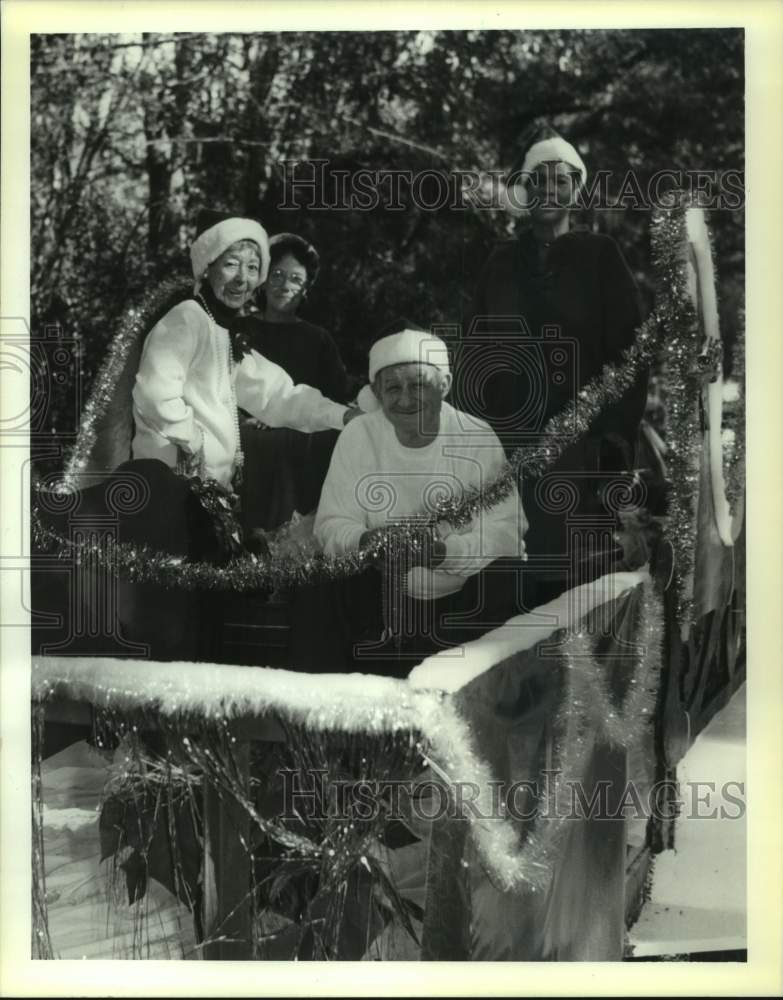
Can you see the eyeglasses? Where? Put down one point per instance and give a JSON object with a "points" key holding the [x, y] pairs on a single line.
{"points": [[277, 276]]}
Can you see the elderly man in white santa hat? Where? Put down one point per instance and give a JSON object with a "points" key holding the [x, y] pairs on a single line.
{"points": [[392, 465]]}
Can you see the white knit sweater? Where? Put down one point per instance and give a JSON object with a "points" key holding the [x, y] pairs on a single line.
{"points": [[374, 480], [182, 397]]}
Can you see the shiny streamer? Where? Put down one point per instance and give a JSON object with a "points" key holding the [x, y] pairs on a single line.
{"points": [[143, 565], [618, 723], [135, 325], [683, 376], [735, 459], [587, 715], [671, 332]]}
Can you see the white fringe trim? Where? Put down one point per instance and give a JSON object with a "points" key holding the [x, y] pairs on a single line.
{"points": [[68, 819], [452, 669]]}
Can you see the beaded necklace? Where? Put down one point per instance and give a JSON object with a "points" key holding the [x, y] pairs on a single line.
{"points": [[226, 363]]}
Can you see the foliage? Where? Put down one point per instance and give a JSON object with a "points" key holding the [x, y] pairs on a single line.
{"points": [[131, 135]]}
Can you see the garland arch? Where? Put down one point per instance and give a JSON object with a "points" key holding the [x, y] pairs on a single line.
{"points": [[680, 249]]}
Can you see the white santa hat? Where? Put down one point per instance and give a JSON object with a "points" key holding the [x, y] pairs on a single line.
{"points": [[217, 232], [406, 347], [550, 149]]}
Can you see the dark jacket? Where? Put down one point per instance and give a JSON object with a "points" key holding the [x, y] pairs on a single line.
{"points": [[285, 469], [538, 333], [306, 351]]}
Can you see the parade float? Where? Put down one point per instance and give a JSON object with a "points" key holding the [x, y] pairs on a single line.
{"points": [[176, 824]]}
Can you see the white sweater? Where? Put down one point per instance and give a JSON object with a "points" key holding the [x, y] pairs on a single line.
{"points": [[182, 397], [374, 480]]}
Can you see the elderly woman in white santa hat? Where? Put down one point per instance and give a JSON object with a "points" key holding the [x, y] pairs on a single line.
{"points": [[184, 405], [188, 386]]}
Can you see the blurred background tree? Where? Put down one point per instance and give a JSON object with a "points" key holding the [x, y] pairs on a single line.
{"points": [[131, 135]]}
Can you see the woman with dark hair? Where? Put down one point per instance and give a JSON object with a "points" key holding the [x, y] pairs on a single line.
{"points": [[553, 306], [306, 351], [188, 384], [309, 354]]}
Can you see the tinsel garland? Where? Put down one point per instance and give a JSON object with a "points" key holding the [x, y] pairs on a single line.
{"points": [[143, 565], [673, 326], [614, 721], [586, 715], [135, 325], [735, 459], [587, 711], [147, 790], [683, 375], [375, 705], [223, 509], [353, 846]]}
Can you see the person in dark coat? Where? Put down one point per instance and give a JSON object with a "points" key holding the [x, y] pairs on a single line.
{"points": [[309, 354], [306, 351], [552, 307]]}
